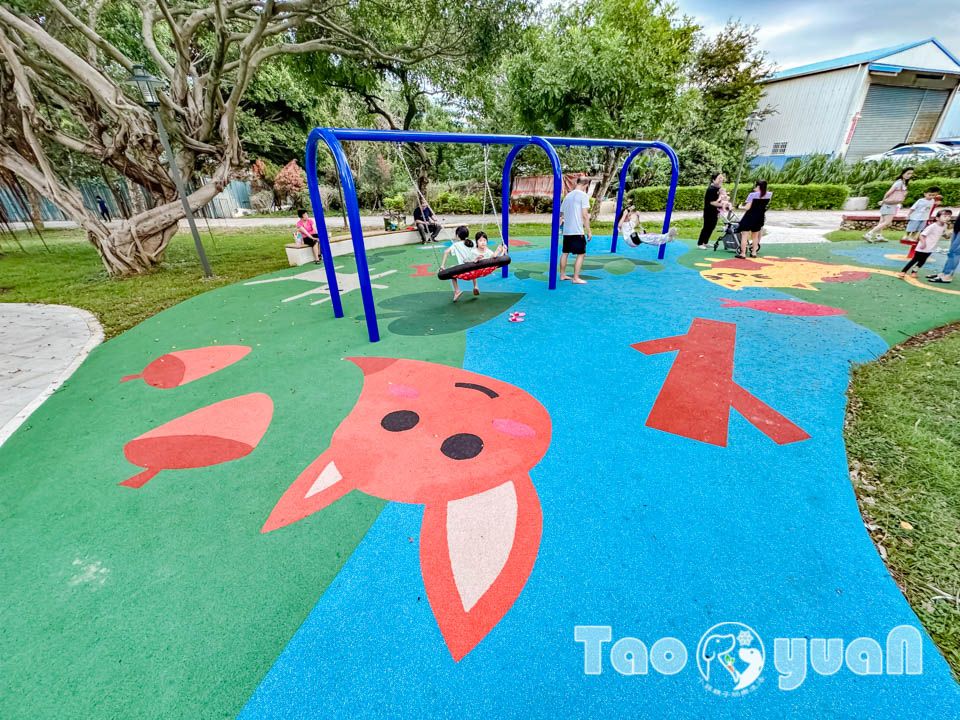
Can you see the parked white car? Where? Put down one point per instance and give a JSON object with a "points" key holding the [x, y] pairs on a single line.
{"points": [[915, 152]]}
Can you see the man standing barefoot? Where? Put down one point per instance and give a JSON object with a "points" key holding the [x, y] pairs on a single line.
{"points": [[575, 220]]}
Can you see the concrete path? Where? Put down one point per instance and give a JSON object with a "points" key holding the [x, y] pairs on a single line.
{"points": [[782, 225], [42, 346]]}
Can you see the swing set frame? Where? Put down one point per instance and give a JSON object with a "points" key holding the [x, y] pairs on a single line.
{"points": [[332, 137]]}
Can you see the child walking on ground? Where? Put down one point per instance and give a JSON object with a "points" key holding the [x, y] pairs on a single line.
{"points": [[919, 213], [927, 242]]}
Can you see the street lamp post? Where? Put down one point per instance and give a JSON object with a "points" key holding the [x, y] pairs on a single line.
{"points": [[148, 85], [753, 122]]}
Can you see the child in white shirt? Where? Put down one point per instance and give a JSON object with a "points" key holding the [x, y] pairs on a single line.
{"points": [[919, 212]]}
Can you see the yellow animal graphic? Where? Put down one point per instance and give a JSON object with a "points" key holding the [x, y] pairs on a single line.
{"points": [[775, 272]]}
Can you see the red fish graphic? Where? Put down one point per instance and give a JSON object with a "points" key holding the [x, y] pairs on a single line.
{"points": [[217, 433], [183, 366], [785, 307], [409, 439]]}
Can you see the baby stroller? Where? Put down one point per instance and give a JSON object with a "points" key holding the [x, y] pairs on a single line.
{"points": [[730, 237]]}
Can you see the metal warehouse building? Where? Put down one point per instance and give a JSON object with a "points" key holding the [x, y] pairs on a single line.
{"points": [[860, 104]]}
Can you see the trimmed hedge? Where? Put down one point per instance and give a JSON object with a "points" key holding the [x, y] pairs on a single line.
{"points": [[949, 188], [785, 197]]}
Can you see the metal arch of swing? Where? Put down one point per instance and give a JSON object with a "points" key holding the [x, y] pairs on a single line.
{"points": [[333, 136]]}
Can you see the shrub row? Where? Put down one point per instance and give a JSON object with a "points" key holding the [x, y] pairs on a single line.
{"points": [[949, 188], [442, 202], [785, 197]]}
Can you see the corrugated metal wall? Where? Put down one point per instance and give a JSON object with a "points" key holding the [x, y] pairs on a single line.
{"points": [[892, 115], [235, 195], [812, 112]]}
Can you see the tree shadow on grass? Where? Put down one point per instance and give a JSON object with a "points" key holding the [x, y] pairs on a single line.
{"points": [[433, 313], [613, 264], [379, 254]]}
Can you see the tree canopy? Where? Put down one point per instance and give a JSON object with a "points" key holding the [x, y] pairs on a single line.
{"points": [[248, 79], [65, 63]]}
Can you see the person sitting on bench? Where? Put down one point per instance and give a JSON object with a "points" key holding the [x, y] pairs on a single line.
{"points": [[308, 234], [426, 222]]}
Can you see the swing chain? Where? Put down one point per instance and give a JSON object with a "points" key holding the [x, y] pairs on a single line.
{"points": [[488, 192], [421, 198]]}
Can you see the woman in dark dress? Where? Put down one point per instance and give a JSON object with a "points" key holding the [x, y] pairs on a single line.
{"points": [[711, 208], [751, 224]]}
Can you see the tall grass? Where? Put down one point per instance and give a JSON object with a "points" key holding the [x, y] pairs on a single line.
{"points": [[831, 170]]}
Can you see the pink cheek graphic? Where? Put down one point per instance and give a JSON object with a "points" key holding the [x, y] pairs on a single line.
{"points": [[403, 391], [514, 428]]}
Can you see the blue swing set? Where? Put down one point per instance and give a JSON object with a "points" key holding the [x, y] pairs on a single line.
{"points": [[333, 137]]}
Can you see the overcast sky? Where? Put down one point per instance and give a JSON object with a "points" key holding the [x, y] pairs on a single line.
{"points": [[803, 31], [797, 32]]}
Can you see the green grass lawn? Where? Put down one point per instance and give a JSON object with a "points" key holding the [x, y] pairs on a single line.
{"points": [[892, 236], [903, 441]]}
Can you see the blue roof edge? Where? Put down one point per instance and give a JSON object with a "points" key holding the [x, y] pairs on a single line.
{"points": [[855, 59]]}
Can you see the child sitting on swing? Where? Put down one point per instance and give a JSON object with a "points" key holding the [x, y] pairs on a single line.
{"points": [[465, 250], [483, 252]]}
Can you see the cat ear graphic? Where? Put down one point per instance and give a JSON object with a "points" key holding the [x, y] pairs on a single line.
{"points": [[214, 434], [183, 366], [315, 488]]}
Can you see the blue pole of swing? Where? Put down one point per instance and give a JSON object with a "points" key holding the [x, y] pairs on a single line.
{"points": [[333, 138], [505, 201], [310, 163]]}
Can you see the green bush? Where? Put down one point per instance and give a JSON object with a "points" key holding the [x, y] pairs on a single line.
{"points": [[450, 202], [785, 197], [395, 203], [949, 188]]}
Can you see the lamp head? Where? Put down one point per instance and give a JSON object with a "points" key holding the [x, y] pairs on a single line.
{"points": [[147, 85]]}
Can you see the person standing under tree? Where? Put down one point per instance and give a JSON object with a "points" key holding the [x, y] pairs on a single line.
{"points": [[711, 208], [575, 221], [104, 210]]}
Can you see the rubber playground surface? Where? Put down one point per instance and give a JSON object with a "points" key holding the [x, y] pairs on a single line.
{"points": [[242, 508]]}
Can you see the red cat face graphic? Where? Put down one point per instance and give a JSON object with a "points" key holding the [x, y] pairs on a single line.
{"points": [[423, 432], [461, 444]]}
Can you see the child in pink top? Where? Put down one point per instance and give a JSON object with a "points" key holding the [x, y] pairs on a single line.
{"points": [[308, 234], [927, 242]]}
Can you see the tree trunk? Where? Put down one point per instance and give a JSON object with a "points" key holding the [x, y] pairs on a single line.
{"points": [[611, 164], [423, 167], [136, 244], [36, 208], [117, 196]]}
